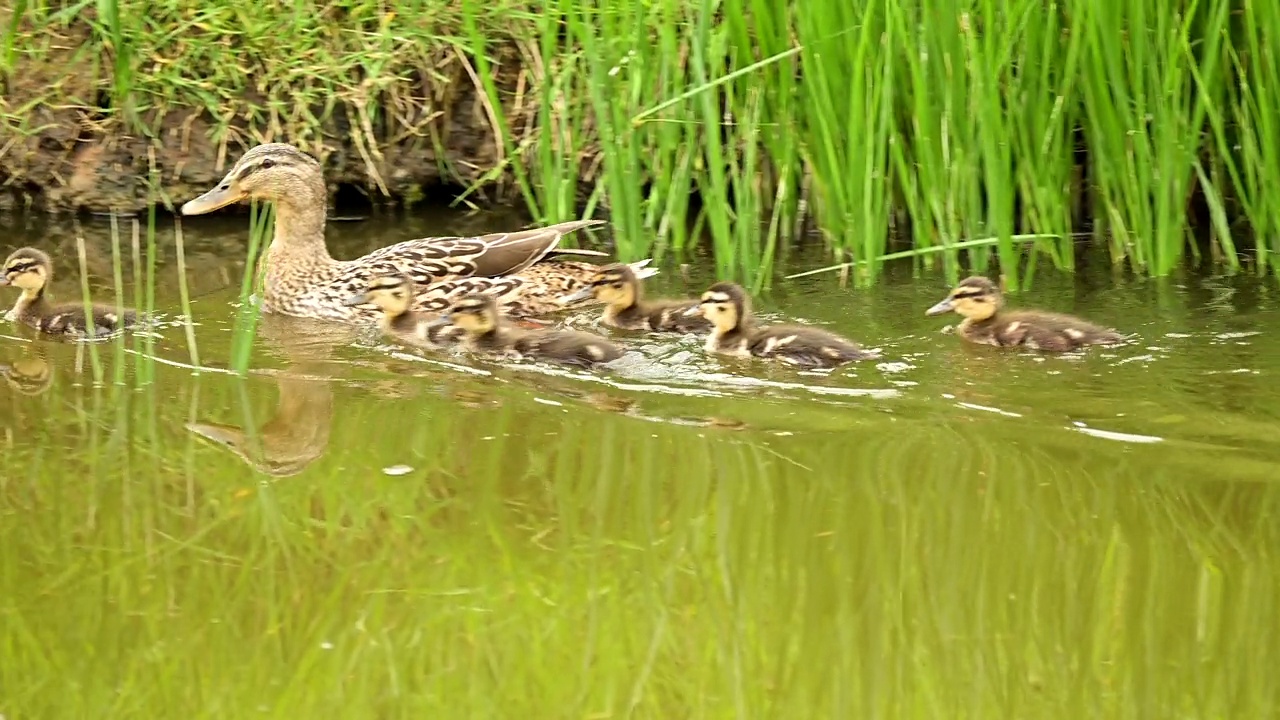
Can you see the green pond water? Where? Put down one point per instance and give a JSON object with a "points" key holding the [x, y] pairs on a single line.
{"points": [[357, 531]]}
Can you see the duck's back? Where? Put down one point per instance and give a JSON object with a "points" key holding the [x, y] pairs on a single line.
{"points": [[568, 346], [1041, 330], [659, 315], [805, 346]]}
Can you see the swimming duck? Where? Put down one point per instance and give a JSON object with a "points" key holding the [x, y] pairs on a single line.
{"points": [[625, 306], [981, 303], [302, 279], [393, 295], [479, 317], [31, 270], [728, 308]]}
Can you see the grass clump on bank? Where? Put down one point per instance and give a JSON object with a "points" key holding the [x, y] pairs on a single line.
{"points": [[887, 126]]}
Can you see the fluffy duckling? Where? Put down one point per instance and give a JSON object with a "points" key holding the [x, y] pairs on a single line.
{"points": [[486, 330], [394, 296], [728, 308], [981, 303], [625, 307], [31, 270]]}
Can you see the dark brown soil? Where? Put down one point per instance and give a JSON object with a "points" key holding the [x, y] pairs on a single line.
{"points": [[62, 149]]}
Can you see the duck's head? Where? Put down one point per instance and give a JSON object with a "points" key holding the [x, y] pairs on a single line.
{"points": [[975, 298], [273, 172], [614, 285], [392, 294], [27, 268], [725, 305], [476, 314]]}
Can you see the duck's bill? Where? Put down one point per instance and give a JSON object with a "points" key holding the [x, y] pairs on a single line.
{"points": [[440, 322], [693, 311], [357, 299], [945, 306], [228, 435], [219, 197], [582, 294], [3, 281]]}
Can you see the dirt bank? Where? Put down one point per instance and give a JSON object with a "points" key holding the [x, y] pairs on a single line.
{"points": [[63, 146]]}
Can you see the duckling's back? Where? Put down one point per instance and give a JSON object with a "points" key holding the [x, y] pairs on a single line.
{"points": [[569, 346], [1041, 330]]}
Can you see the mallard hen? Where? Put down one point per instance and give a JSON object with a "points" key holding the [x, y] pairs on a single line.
{"points": [[302, 279]]}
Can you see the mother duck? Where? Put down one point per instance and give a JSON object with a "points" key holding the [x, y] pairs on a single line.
{"points": [[302, 279]]}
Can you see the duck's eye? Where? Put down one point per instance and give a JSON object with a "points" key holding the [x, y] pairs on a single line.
{"points": [[617, 285], [268, 164]]}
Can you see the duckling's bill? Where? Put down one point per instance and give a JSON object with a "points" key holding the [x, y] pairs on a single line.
{"points": [[583, 294], [946, 306], [694, 310], [357, 299]]}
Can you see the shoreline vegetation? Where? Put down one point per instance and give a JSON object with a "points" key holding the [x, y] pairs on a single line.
{"points": [[1014, 132]]}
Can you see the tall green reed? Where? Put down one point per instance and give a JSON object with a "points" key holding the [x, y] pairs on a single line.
{"points": [[261, 222], [728, 126]]}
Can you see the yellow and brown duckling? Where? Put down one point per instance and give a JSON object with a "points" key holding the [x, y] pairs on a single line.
{"points": [[979, 301], [394, 296], [728, 308], [487, 331], [31, 271], [625, 306]]}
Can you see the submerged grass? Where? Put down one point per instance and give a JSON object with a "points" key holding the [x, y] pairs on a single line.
{"points": [[887, 126]]}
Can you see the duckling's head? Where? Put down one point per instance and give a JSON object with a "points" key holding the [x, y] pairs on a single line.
{"points": [[392, 294], [613, 285], [476, 314], [274, 172], [976, 298], [27, 268], [725, 305]]}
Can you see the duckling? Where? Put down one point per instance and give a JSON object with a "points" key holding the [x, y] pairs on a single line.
{"points": [[980, 302], [728, 308], [618, 287], [31, 270], [486, 330], [394, 296]]}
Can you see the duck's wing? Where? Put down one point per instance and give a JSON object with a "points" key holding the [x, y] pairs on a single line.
{"points": [[436, 258]]}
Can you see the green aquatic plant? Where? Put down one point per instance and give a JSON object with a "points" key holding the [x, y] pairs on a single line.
{"points": [[738, 128]]}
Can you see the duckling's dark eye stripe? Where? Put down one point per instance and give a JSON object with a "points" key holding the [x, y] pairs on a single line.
{"points": [[968, 294]]}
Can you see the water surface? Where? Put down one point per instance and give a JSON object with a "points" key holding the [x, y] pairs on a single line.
{"points": [[951, 531]]}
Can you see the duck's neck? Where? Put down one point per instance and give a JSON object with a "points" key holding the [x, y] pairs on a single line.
{"points": [[298, 241], [30, 302]]}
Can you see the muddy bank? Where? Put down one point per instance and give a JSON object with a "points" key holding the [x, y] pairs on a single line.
{"points": [[65, 146]]}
